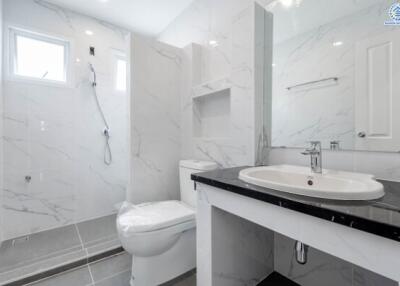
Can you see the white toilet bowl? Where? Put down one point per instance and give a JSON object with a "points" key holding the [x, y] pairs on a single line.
{"points": [[161, 236]]}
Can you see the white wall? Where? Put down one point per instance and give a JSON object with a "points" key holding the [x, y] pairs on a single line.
{"points": [[231, 24], [54, 134], [1, 120], [155, 121]]}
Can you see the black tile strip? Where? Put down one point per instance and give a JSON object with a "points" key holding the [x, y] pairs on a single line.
{"points": [[227, 179], [105, 254], [276, 279], [64, 268]]}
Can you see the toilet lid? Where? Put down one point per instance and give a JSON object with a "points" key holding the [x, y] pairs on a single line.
{"points": [[154, 216]]}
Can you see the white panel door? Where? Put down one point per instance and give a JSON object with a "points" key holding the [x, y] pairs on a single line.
{"points": [[377, 99]]}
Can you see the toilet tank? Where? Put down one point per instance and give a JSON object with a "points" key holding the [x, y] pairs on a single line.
{"points": [[186, 169]]}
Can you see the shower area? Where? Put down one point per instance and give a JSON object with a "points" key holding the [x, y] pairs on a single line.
{"points": [[65, 114]]}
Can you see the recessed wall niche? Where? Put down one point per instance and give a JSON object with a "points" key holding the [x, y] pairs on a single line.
{"points": [[212, 114]]}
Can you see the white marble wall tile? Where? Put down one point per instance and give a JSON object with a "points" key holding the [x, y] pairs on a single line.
{"points": [[54, 134], [238, 243], [155, 120], [230, 24]]}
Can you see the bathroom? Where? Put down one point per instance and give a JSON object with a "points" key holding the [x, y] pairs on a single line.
{"points": [[150, 143]]}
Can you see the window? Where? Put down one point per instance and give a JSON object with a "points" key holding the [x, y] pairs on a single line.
{"points": [[121, 75], [38, 57], [120, 72]]}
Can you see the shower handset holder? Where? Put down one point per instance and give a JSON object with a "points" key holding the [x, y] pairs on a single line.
{"points": [[106, 132]]}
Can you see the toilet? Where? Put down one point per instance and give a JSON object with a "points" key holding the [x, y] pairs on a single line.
{"points": [[161, 236]]}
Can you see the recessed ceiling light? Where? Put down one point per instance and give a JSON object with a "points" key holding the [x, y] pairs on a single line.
{"points": [[213, 43], [337, 44], [89, 33], [287, 3], [290, 3], [78, 60]]}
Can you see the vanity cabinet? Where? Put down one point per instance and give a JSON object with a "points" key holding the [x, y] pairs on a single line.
{"points": [[236, 224]]}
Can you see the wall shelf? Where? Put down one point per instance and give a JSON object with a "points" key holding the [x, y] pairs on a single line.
{"points": [[211, 87], [212, 109]]}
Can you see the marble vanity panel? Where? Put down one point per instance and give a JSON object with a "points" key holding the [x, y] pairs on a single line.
{"points": [[54, 133], [371, 252], [237, 242], [155, 117], [223, 256]]}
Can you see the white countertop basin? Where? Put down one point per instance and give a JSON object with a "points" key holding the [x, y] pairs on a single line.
{"points": [[335, 185]]}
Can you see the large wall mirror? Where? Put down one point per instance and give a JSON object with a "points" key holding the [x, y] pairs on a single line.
{"points": [[336, 74]]}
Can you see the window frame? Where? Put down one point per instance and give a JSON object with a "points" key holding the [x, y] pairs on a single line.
{"points": [[14, 32], [119, 55]]}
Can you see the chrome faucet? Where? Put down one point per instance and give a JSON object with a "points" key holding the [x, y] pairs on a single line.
{"points": [[315, 151]]}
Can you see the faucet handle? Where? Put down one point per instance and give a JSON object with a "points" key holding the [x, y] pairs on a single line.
{"points": [[314, 149], [315, 143]]}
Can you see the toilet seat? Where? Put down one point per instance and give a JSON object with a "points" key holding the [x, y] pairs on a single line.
{"points": [[151, 217]]}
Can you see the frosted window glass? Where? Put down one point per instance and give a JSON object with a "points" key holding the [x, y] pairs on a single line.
{"points": [[121, 75], [40, 59]]}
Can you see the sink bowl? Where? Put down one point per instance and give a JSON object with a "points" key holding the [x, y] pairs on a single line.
{"points": [[334, 185]]}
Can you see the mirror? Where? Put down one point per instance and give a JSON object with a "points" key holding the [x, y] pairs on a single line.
{"points": [[336, 74]]}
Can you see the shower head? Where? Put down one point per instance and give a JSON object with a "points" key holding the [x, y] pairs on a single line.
{"points": [[94, 81]]}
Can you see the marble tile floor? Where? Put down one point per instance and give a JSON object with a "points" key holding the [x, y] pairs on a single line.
{"points": [[26, 256], [112, 271]]}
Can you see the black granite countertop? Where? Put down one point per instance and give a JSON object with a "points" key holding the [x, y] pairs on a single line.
{"points": [[380, 217]]}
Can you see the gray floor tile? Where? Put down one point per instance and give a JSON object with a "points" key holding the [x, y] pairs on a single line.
{"points": [[362, 277], [102, 247], [121, 279], [189, 281], [78, 277], [40, 246], [41, 266], [98, 230], [110, 266]]}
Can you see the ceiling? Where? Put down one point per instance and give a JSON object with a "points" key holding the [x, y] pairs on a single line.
{"points": [[148, 17], [307, 15]]}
